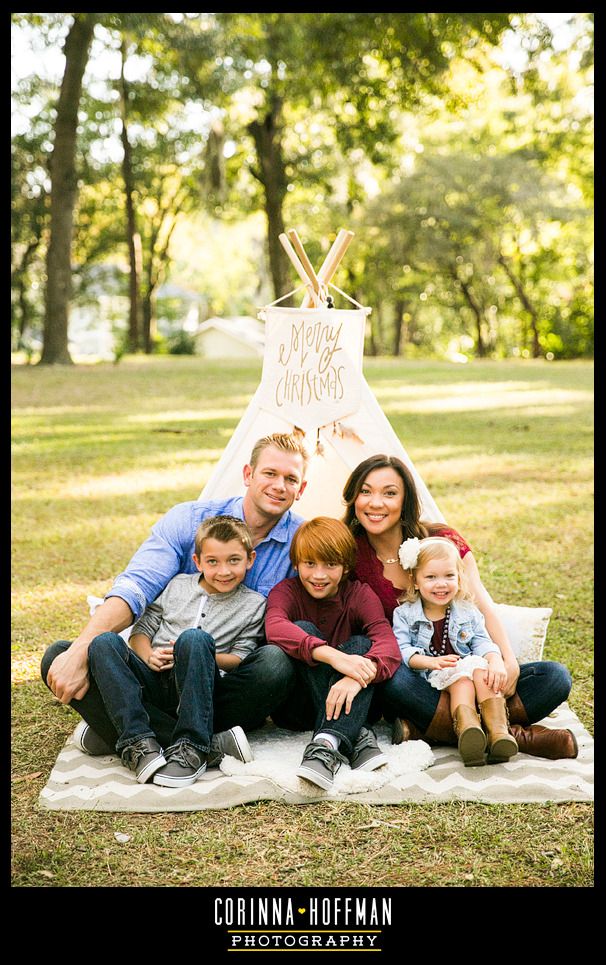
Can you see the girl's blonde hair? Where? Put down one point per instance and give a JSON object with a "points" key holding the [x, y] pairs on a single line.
{"points": [[325, 539], [438, 548]]}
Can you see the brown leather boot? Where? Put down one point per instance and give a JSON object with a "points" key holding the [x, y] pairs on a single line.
{"points": [[501, 744], [440, 730], [516, 711], [472, 739], [403, 730], [551, 742]]}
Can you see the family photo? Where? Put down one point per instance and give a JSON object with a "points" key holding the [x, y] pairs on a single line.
{"points": [[302, 384]]}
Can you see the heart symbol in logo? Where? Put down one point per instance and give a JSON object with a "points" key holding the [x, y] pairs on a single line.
{"points": [[301, 911]]}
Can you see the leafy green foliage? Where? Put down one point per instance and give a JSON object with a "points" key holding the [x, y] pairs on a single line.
{"points": [[468, 181]]}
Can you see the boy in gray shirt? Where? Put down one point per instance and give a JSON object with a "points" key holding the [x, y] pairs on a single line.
{"points": [[200, 627]]}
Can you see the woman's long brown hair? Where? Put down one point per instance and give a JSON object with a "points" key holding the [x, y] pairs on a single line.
{"points": [[411, 507]]}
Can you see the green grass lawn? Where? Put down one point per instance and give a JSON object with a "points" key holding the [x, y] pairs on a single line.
{"points": [[100, 452]]}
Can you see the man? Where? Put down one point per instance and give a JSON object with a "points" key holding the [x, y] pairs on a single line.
{"points": [[274, 480]]}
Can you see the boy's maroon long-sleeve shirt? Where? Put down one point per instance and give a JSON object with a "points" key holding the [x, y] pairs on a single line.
{"points": [[355, 609]]}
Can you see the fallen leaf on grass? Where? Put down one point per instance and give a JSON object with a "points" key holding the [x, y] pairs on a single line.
{"points": [[378, 823], [26, 777]]}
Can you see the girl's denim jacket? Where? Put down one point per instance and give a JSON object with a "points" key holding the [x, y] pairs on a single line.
{"points": [[466, 631]]}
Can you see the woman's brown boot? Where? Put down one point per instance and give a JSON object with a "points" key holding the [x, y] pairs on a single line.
{"points": [[403, 730], [472, 739], [439, 730], [553, 743], [501, 744]]}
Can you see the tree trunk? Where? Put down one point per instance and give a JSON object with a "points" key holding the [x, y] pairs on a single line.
{"points": [[399, 327], [156, 270], [20, 283], [378, 326], [62, 168], [375, 345], [133, 238], [149, 321], [521, 293], [271, 174], [23, 312], [479, 317]]}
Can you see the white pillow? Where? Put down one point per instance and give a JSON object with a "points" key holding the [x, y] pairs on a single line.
{"points": [[526, 628]]}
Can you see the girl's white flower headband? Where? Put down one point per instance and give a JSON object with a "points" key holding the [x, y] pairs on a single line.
{"points": [[409, 552]]}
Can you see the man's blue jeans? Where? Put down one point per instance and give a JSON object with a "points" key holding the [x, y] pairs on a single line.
{"points": [[317, 681], [542, 686], [245, 696]]}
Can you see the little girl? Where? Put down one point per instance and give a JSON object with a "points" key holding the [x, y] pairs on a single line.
{"points": [[442, 634]]}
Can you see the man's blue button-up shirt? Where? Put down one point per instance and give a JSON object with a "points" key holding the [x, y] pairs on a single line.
{"points": [[169, 549]]}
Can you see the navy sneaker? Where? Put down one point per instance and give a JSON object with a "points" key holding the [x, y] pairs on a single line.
{"points": [[230, 742], [184, 765], [366, 754], [85, 738], [320, 763], [144, 757]]}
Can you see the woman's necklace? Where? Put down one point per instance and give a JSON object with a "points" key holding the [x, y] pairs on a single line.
{"points": [[442, 650], [390, 559], [394, 560]]}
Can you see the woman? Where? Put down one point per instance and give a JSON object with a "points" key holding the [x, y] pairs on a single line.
{"points": [[383, 509]]}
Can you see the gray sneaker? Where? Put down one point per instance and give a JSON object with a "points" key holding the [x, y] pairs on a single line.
{"points": [[230, 742], [144, 757], [88, 741], [184, 765], [367, 755], [320, 763]]}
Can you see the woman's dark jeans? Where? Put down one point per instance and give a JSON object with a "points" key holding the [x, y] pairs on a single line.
{"points": [[542, 686]]}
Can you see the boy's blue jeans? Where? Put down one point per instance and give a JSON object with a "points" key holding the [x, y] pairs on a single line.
{"points": [[125, 695], [184, 692], [319, 679]]}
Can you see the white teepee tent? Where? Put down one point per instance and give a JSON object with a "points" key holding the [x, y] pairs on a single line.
{"points": [[312, 380]]}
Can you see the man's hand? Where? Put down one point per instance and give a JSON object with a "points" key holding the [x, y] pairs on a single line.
{"points": [[68, 674], [341, 693]]}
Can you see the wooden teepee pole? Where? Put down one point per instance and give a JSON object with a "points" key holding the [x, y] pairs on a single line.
{"points": [[300, 270], [332, 261], [307, 265]]}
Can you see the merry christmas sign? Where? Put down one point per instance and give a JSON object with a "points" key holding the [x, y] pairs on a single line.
{"points": [[312, 364]]}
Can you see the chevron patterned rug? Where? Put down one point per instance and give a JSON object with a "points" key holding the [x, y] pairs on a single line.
{"points": [[414, 773]]}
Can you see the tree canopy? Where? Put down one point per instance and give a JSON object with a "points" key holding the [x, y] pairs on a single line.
{"points": [[458, 147]]}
